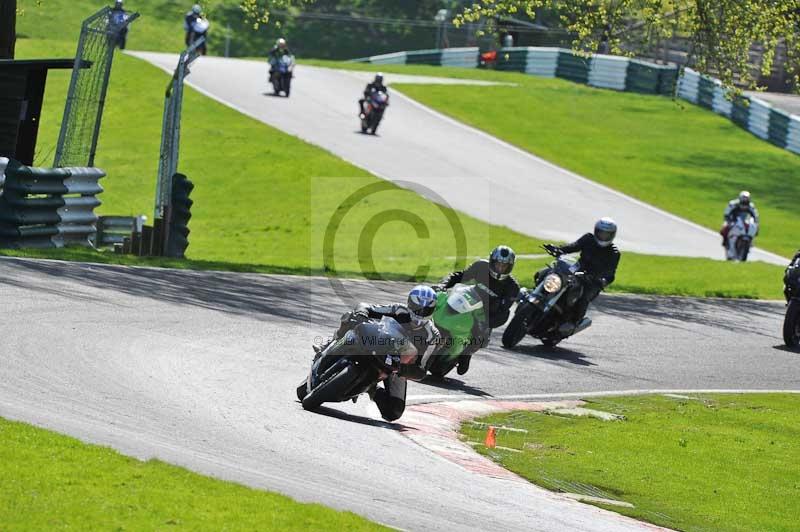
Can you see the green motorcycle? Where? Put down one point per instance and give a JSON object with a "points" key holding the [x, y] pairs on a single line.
{"points": [[461, 318]]}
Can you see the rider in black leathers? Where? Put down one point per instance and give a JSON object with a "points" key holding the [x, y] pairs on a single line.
{"points": [[599, 260], [495, 275], [414, 317], [375, 85]]}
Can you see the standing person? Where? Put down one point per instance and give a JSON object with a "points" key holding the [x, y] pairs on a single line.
{"points": [[599, 260], [188, 22], [494, 274], [118, 17], [735, 207]]}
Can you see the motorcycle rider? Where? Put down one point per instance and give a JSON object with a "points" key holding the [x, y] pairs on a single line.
{"points": [[189, 20], [790, 275], [118, 16], [735, 207], [599, 260], [495, 275], [280, 49], [415, 318], [376, 85]]}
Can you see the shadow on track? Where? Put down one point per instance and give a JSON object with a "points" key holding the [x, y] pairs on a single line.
{"points": [[553, 353], [263, 297], [361, 420], [449, 383], [679, 312]]}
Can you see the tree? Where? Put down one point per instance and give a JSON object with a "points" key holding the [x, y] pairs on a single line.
{"points": [[8, 28], [721, 32]]}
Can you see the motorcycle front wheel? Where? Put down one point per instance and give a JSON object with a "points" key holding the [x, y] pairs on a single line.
{"points": [[516, 330], [791, 324], [331, 390]]}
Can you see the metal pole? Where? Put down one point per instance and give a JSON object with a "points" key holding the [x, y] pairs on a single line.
{"points": [[228, 41]]}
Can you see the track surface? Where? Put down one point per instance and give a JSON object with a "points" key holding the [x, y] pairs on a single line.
{"points": [[473, 172], [199, 368]]}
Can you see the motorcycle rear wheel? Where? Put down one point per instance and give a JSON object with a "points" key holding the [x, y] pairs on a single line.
{"points": [[791, 324], [515, 331], [333, 389]]}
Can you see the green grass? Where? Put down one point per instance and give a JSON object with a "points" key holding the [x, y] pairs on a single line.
{"points": [[263, 199], [50, 481], [716, 462], [677, 156]]}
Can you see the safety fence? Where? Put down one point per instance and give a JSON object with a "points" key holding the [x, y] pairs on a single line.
{"points": [[604, 71], [756, 116], [48, 207]]}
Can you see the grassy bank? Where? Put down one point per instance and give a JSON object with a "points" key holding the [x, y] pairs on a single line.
{"points": [[715, 462], [677, 156], [264, 200], [52, 482]]}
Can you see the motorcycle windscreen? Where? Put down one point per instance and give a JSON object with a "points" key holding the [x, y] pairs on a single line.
{"points": [[464, 299], [385, 338]]}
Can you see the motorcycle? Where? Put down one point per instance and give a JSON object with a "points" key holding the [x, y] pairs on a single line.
{"points": [[372, 110], [352, 365], [280, 75], [791, 289], [544, 312], [741, 234], [459, 313]]}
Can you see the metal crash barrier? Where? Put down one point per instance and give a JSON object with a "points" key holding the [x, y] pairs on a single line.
{"points": [[48, 207]]}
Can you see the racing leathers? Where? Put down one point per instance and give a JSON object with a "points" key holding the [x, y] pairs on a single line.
{"points": [[275, 54], [391, 398], [598, 268]]}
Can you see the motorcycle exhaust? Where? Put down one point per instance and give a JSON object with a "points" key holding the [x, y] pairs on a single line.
{"points": [[567, 329]]}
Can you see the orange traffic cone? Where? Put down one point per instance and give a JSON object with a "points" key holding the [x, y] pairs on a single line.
{"points": [[491, 438]]}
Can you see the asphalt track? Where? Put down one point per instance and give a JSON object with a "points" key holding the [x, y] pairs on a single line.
{"points": [[437, 156], [199, 369]]}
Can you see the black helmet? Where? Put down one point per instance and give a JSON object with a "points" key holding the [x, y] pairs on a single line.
{"points": [[379, 78], [604, 231], [501, 262]]}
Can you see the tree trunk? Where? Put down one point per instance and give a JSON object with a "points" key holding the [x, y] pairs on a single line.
{"points": [[8, 23]]}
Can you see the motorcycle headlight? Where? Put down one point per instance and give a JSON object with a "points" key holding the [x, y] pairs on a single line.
{"points": [[552, 283]]}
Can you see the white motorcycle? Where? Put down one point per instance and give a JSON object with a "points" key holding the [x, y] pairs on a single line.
{"points": [[740, 237]]}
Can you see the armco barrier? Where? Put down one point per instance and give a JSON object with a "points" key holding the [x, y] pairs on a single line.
{"points": [[753, 114], [605, 71], [48, 207]]}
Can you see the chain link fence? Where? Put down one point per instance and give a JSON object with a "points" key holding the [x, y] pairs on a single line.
{"points": [[80, 127]]}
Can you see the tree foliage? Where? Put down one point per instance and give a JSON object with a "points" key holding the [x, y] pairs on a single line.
{"points": [[721, 32]]}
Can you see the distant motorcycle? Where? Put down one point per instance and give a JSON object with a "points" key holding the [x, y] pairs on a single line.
{"points": [[545, 311], [740, 237], [352, 365], [372, 111], [281, 73], [199, 30], [459, 314], [791, 289]]}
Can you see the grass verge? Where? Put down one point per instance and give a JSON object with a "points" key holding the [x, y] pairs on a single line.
{"points": [[669, 153], [52, 481], [711, 462], [264, 199]]}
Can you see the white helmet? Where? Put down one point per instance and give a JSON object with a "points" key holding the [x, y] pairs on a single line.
{"points": [[604, 231], [281, 43], [196, 9], [421, 302], [744, 198]]}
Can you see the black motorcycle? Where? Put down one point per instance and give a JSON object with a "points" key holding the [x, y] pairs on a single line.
{"points": [[545, 312], [280, 75], [352, 365], [791, 289], [372, 110]]}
